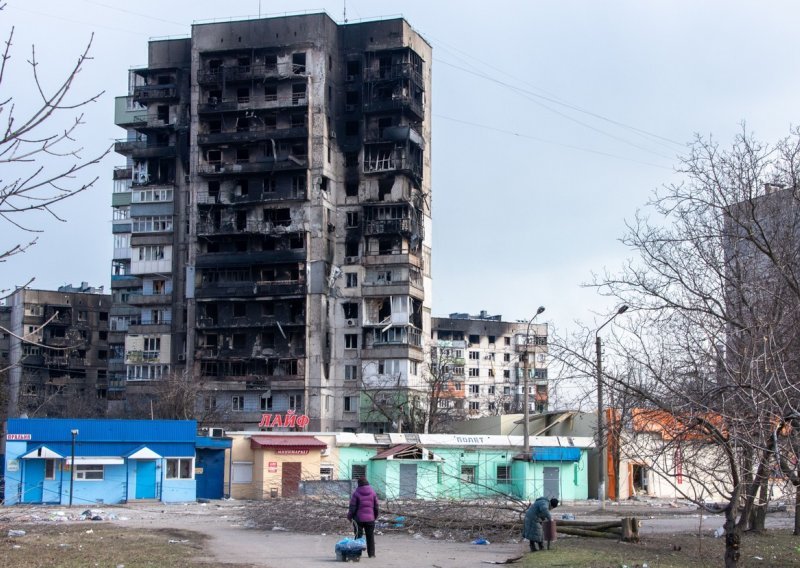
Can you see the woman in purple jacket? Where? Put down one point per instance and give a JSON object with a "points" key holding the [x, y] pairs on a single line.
{"points": [[364, 509]]}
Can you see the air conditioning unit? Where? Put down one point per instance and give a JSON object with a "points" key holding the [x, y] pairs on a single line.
{"points": [[216, 432], [325, 452], [352, 323], [181, 357]]}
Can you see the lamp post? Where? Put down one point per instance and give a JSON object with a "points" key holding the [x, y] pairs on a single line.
{"points": [[601, 447], [74, 433], [526, 409]]}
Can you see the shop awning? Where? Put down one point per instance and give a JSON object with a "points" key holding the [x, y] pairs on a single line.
{"points": [[283, 442], [144, 453], [95, 460]]}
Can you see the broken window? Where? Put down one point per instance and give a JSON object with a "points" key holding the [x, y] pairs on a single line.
{"points": [[351, 159], [351, 187], [239, 341], [351, 279], [270, 93], [298, 93], [352, 219], [351, 128], [475, 339], [353, 69], [162, 113], [271, 61], [296, 242], [299, 184], [244, 63], [298, 63], [242, 187], [269, 185], [214, 156], [242, 155], [350, 309], [213, 190], [243, 95], [214, 96], [385, 186], [299, 120], [243, 124], [214, 126], [351, 248], [239, 309]]}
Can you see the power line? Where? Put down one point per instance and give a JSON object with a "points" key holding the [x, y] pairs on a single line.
{"points": [[545, 141]]}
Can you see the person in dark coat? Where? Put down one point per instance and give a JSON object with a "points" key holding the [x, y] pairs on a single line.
{"points": [[364, 510], [539, 511]]}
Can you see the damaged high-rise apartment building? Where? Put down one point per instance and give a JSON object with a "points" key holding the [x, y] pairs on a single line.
{"points": [[272, 222]]}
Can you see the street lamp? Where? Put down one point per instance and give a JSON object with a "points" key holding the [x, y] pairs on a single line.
{"points": [[526, 409], [601, 447], [74, 433]]}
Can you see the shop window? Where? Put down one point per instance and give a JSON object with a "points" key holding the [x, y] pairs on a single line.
{"points": [[180, 468]]}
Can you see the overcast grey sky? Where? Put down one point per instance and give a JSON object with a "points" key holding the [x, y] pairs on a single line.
{"points": [[552, 123]]}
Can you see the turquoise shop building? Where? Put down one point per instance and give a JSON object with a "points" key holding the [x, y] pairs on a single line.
{"points": [[86, 462], [458, 466]]}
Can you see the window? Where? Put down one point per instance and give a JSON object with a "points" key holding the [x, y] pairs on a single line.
{"points": [[49, 469], [152, 252], [506, 357], [296, 401], [474, 355], [350, 372], [503, 474], [180, 468], [491, 389], [325, 472], [352, 219], [89, 472], [474, 372], [242, 472], [474, 389], [351, 189], [468, 473], [351, 341], [351, 279], [350, 403], [266, 402], [350, 309], [507, 373], [475, 339], [358, 470], [237, 403]]}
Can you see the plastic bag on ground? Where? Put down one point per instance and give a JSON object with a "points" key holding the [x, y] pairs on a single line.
{"points": [[351, 544]]}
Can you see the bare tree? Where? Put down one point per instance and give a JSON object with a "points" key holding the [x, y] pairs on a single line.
{"points": [[43, 161], [715, 289]]}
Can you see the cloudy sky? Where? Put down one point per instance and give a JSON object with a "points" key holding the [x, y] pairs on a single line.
{"points": [[552, 123]]}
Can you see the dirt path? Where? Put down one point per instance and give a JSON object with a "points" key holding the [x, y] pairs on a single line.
{"points": [[232, 541]]}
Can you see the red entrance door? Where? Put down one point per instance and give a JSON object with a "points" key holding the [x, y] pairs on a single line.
{"points": [[290, 479]]}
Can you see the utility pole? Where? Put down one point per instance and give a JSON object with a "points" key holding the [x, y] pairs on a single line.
{"points": [[601, 445], [525, 403]]}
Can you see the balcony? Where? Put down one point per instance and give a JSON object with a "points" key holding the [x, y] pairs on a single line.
{"points": [[392, 258], [209, 228], [249, 289], [253, 103], [393, 134], [399, 102], [251, 136], [269, 165], [122, 173], [388, 226], [149, 300], [140, 149], [237, 73], [393, 288], [382, 159], [147, 93], [127, 113], [403, 70]]}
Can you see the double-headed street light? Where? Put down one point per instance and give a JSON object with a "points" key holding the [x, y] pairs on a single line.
{"points": [[601, 447], [526, 410]]}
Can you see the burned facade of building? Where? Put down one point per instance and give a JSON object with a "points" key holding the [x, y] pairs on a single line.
{"points": [[483, 357], [56, 351], [272, 224]]}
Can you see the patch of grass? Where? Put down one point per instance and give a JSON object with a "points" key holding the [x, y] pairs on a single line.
{"points": [[71, 546], [775, 548]]}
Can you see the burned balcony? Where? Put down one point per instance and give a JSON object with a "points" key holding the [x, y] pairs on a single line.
{"points": [[123, 172], [393, 158], [141, 149], [251, 103], [143, 94], [251, 136], [394, 70], [290, 162]]}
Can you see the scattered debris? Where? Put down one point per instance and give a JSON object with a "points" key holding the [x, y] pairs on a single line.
{"points": [[480, 540], [506, 561], [16, 532]]}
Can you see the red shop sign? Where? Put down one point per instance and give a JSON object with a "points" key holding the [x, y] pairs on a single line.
{"points": [[289, 421]]}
